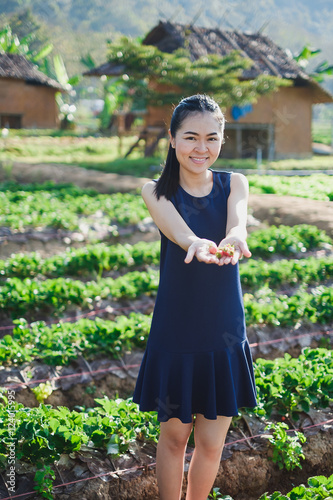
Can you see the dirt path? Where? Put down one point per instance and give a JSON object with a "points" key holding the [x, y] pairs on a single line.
{"points": [[270, 208], [101, 181], [291, 210]]}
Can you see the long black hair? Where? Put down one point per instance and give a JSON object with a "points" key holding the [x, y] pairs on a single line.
{"points": [[168, 182]]}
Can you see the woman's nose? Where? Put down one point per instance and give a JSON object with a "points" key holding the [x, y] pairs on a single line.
{"points": [[201, 146]]}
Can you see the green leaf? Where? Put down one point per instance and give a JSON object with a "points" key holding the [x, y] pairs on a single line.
{"points": [[112, 446], [43, 53], [317, 481], [60, 70]]}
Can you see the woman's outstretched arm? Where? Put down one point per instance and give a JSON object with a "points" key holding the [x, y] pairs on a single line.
{"points": [[236, 231], [173, 226]]}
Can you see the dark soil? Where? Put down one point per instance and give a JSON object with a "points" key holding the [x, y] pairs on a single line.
{"points": [[246, 470]]}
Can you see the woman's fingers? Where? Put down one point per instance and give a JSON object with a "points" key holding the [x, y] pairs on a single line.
{"points": [[200, 249], [190, 254], [245, 249], [237, 256]]}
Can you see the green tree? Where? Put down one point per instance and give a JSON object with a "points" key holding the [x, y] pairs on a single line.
{"points": [[145, 68]]}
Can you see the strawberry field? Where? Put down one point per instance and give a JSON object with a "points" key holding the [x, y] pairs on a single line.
{"points": [[75, 315]]}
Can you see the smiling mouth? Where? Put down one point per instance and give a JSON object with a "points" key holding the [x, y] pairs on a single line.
{"points": [[195, 158]]}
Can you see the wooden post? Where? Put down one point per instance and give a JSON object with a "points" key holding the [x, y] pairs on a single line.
{"points": [[238, 142]]}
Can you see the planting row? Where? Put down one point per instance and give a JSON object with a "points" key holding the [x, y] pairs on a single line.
{"points": [[63, 209], [64, 206], [62, 342], [318, 488], [19, 297], [96, 259], [315, 186]]}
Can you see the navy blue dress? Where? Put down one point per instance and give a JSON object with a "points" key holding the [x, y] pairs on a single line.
{"points": [[197, 358]]}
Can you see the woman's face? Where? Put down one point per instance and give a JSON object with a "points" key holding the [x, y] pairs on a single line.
{"points": [[198, 142]]}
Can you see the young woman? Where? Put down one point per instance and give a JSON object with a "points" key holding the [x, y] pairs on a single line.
{"points": [[197, 367]]}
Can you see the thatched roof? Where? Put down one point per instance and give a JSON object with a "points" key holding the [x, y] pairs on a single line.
{"points": [[18, 67], [267, 57]]}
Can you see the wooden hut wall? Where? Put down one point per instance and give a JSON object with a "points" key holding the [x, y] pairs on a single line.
{"points": [[280, 124], [32, 106]]}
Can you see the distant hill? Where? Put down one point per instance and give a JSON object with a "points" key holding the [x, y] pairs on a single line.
{"points": [[80, 26]]}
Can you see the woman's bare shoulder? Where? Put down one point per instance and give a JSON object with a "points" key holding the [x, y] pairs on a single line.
{"points": [[148, 188], [238, 180]]}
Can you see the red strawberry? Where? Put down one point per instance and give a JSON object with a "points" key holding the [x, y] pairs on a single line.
{"points": [[228, 250], [224, 251], [212, 249]]}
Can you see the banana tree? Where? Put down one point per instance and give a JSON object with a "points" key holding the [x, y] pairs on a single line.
{"points": [[114, 94], [66, 108], [11, 44], [321, 70]]}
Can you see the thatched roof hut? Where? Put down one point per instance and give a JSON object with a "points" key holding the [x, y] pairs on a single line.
{"points": [[27, 96], [279, 125]]}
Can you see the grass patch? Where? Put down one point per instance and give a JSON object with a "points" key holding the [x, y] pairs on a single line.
{"points": [[316, 162], [322, 132]]}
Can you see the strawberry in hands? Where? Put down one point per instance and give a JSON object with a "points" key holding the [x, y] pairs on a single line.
{"points": [[226, 250]]}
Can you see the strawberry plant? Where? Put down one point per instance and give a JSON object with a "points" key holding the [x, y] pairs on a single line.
{"points": [[266, 307], [216, 494], [293, 385], [43, 434], [90, 259], [314, 186], [42, 391], [287, 449], [19, 297], [61, 343], [286, 240], [319, 488], [67, 208], [44, 482], [312, 270]]}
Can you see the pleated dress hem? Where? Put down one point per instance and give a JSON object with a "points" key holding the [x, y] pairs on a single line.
{"points": [[181, 384]]}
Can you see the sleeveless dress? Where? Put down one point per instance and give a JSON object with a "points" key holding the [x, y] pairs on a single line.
{"points": [[197, 358]]}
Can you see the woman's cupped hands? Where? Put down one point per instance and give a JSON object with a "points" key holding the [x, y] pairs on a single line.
{"points": [[229, 251]]}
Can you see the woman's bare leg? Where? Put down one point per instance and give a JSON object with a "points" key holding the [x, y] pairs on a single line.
{"points": [[209, 437], [170, 458]]}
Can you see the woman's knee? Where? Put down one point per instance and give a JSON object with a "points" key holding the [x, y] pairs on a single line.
{"points": [[209, 436], [174, 434]]}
